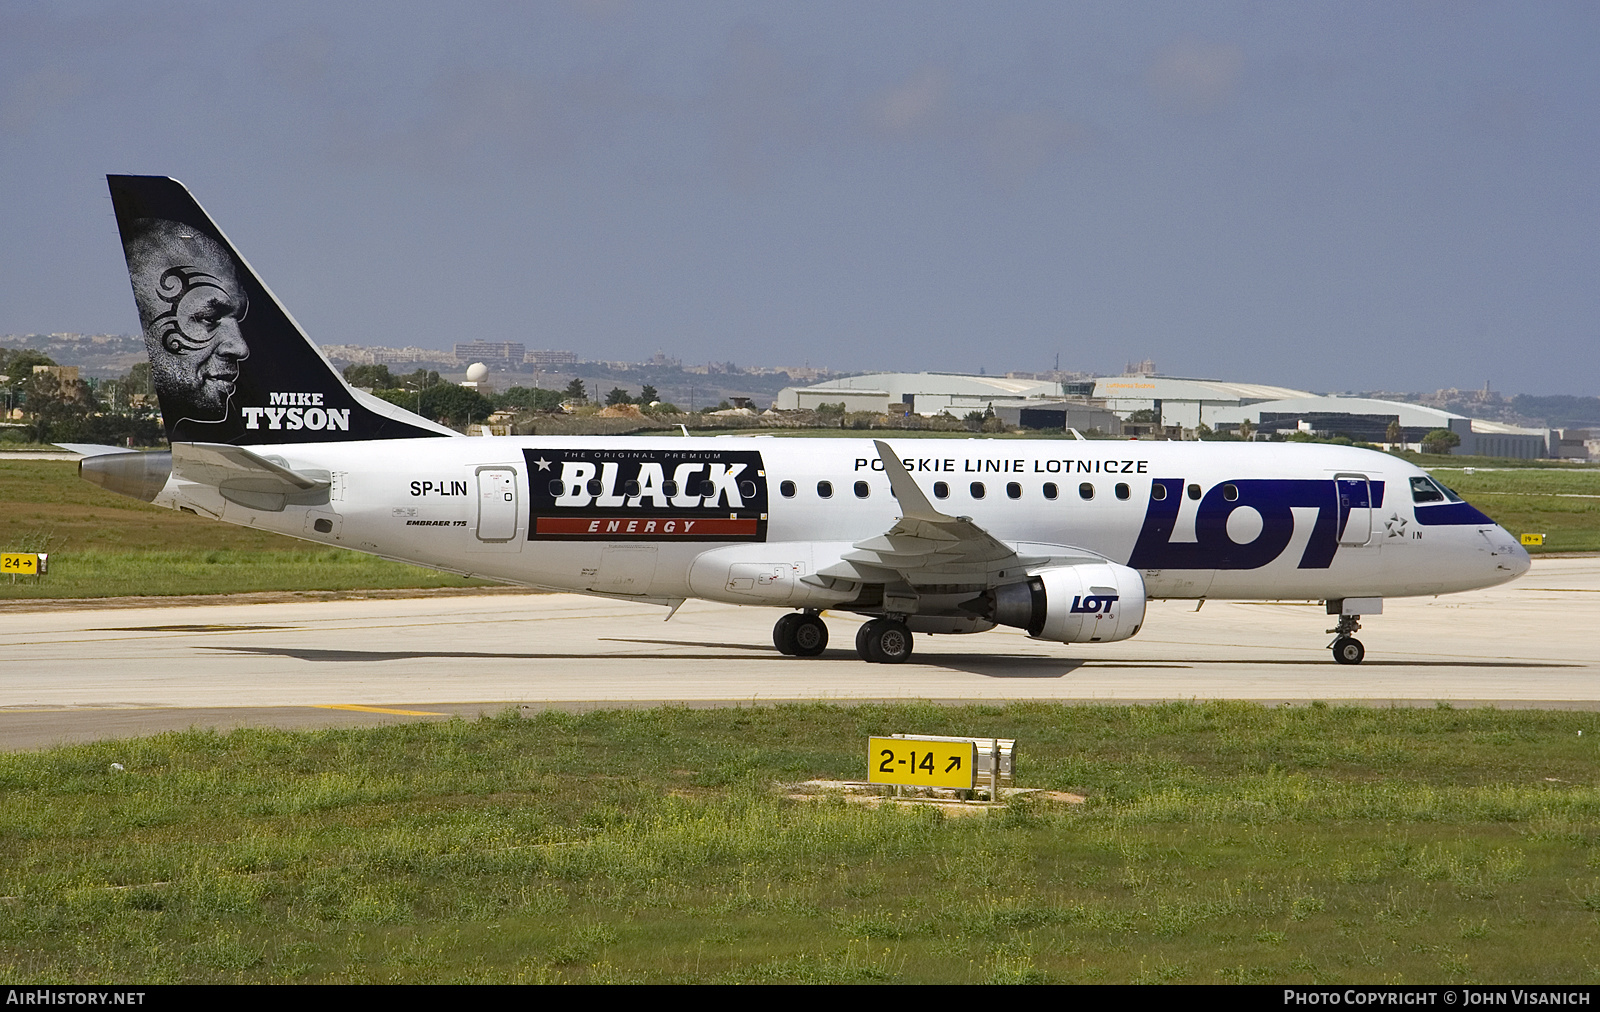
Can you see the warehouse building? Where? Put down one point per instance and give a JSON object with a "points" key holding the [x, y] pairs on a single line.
{"points": [[1367, 420], [1165, 405], [1188, 403], [927, 393]]}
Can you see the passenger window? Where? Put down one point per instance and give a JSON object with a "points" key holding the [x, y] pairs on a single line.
{"points": [[786, 490], [976, 488], [669, 488], [862, 491], [558, 488], [1086, 491], [630, 487], [594, 486], [941, 490], [1050, 490], [1158, 491], [1194, 491], [1123, 491], [1423, 490], [1013, 490], [747, 489], [1230, 492], [825, 489], [708, 488]]}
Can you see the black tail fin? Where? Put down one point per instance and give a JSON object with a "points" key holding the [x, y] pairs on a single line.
{"points": [[230, 365]]}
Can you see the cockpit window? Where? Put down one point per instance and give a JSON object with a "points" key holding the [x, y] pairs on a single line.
{"points": [[1426, 490]]}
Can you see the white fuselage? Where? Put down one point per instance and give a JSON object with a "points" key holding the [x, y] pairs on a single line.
{"points": [[1229, 520]]}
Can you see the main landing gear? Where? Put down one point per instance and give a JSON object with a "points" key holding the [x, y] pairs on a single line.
{"points": [[884, 641], [800, 634], [880, 641], [1346, 648]]}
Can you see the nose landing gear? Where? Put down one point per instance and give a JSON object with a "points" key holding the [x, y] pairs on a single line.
{"points": [[1346, 648]]}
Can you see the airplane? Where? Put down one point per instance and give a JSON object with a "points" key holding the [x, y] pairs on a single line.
{"points": [[1066, 539]]}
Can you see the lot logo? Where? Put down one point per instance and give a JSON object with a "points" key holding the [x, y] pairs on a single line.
{"points": [[1092, 604], [1274, 502], [624, 494]]}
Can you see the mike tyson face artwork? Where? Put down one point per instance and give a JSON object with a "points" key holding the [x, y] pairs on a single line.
{"points": [[191, 305]]}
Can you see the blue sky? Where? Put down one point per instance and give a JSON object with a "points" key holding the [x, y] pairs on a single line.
{"points": [[1332, 196]]}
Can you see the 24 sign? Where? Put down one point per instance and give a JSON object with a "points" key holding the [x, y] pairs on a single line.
{"points": [[22, 563]]}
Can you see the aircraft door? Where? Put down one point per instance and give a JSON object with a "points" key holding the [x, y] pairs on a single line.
{"points": [[1355, 509], [497, 503]]}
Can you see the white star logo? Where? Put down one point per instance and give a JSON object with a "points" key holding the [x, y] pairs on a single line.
{"points": [[1395, 525], [544, 465]]}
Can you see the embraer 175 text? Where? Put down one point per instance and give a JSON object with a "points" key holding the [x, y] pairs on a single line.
{"points": [[1064, 538]]}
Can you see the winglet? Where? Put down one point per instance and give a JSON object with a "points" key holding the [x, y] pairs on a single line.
{"points": [[913, 504]]}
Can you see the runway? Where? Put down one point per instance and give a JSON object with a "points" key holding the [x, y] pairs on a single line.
{"points": [[80, 674]]}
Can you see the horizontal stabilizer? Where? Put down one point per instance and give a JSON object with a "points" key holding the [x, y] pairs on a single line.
{"points": [[93, 449], [248, 478]]}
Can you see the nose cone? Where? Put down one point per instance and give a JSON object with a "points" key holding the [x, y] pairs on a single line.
{"points": [[1517, 560], [1510, 559]]}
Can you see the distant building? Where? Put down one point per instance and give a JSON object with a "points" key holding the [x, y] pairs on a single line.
{"points": [[924, 393], [494, 354], [1367, 420], [357, 354], [550, 359], [1061, 414], [1575, 444], [1184, 402], [1176, 402], [62, 373], [1171, 406]]}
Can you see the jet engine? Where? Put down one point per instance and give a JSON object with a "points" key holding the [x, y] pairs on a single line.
{"points": [[1088, 603]]}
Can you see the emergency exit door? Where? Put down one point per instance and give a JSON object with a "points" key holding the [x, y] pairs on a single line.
{"points": [[497, 503], [1355, 509]]}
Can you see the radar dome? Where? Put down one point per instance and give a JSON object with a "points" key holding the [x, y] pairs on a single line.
{"points": [[477, 372]]}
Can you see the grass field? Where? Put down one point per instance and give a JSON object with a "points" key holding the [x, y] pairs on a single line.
{"points": [[1561, 503], [1222, 842]]}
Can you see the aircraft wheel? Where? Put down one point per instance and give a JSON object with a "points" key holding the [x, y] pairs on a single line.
{"points": [[1348, 650], [809, 636], [894, 643], [887, 641], [864, 642], [783, 634]]}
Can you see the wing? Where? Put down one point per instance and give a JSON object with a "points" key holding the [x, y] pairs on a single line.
{"points": [[926, 548]]}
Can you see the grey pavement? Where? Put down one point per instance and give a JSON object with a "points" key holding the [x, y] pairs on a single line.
{"points": [[80, 674]]}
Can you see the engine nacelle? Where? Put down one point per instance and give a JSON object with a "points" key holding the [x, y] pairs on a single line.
{"points": [[137, 475], [1088, 603]]}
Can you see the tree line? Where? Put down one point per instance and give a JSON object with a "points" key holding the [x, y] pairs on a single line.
{"points": [[41, 407], [426, 394]]}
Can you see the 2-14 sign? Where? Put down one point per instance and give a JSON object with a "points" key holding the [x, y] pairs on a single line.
{"points": [[920, 763]]}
